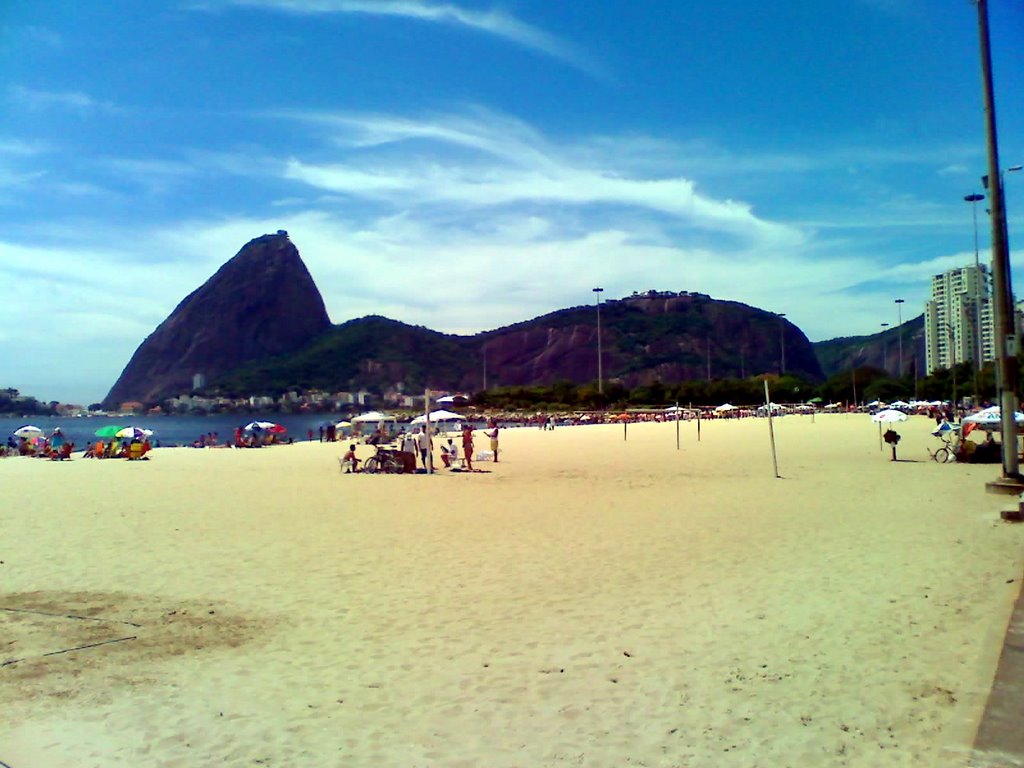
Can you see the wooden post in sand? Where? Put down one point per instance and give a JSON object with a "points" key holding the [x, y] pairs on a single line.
{"points": [[677, 425], [625, 423], [426, 426], [771, 428]]}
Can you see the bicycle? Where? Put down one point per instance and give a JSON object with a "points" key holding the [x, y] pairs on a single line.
{"points": [[386, 461], [947, 453]]}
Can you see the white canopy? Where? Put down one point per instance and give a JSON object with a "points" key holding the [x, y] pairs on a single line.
{"points": [[452, 399], [436, 416], [991, 418], [726, 407], [373, 416]]}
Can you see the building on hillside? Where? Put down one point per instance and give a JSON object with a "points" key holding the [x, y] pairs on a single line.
{"points": [[958, 319]]}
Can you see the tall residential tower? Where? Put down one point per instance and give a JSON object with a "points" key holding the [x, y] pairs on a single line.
{"points": [[958, 322]]}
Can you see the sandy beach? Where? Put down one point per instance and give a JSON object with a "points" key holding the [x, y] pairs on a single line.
{"points": [[587, 601]]}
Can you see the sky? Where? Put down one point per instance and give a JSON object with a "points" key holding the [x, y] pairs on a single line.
{"points": [[465, 164]]}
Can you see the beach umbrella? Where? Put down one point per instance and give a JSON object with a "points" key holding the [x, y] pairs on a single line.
{"points": [[277, 429], [110, 430], [726, 407], [253, 426], [889, 416], [133, 433], [815, 400], [343, 424], [28, 431]]}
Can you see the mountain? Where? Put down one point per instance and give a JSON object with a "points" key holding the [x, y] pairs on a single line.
{"points": [[261, 303], [879, 350], [645, 337]]}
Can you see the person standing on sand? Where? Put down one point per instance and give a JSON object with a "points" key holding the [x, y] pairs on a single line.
{"points": [[467, 446], [493, 435], [424, 444]]}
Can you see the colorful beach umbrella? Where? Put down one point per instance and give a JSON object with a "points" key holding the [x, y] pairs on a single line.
{"points": [[110, 430]]}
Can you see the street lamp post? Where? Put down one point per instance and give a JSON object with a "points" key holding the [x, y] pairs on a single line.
{"points": [[885, 350], [782, 343], [979, 352], [899, 326], [1005, 333], [600, 374]]}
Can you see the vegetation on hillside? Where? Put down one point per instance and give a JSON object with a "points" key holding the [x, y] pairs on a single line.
{"points": [[14, 403]]}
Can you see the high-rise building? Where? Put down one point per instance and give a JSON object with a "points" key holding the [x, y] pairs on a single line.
{"points": [[958, 321]]}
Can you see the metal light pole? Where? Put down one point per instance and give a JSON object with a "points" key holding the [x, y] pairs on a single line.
{"points": [[1005, 333], [885, 349], [782, 343], [979, 352], [899, 321], [600, 375]]}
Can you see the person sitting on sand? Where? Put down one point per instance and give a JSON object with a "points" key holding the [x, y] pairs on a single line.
{"points": [[349, 460], [446, 457]]}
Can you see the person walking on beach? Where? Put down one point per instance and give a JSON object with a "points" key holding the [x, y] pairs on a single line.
{"points": [[467, 446], [424, 444]]}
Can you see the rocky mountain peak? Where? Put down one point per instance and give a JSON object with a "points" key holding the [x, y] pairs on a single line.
{"points": [[260, 304]]}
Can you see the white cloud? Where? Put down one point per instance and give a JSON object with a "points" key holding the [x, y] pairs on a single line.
{"points": [[492, 22], [39, 100], [486, 160]]}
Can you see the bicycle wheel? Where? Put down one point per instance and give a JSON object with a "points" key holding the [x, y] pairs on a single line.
{"points": [[941, 456], [372, 465]]}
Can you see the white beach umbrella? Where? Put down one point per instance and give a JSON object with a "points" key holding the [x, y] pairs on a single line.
{"points": [[889, 416], [28, 431], [254, 425], [725, 407]]}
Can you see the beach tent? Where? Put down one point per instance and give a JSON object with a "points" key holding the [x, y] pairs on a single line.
{"points": [[990, 419], [438, 416], [372, 416], [725, 407]]}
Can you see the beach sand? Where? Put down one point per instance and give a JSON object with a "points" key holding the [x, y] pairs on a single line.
{"points": [[587, 601]]}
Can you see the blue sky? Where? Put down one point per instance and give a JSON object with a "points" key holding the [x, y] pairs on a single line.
{"points": [[464, 165]]}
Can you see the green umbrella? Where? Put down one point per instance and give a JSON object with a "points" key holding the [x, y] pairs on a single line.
{"points": [[815, 400], [110, 430]]}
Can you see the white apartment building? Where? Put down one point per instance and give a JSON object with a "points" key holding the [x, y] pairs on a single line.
{"points": [[958, 317]]}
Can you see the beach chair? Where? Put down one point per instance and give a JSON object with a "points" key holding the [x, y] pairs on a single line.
{"points": [[346, 467]]}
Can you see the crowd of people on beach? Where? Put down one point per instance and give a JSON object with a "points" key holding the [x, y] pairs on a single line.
{"points": [[55, 447], [414, 450]]}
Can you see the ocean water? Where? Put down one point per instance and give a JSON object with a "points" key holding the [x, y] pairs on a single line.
{"points": [[171, 430], [177, 430]]}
